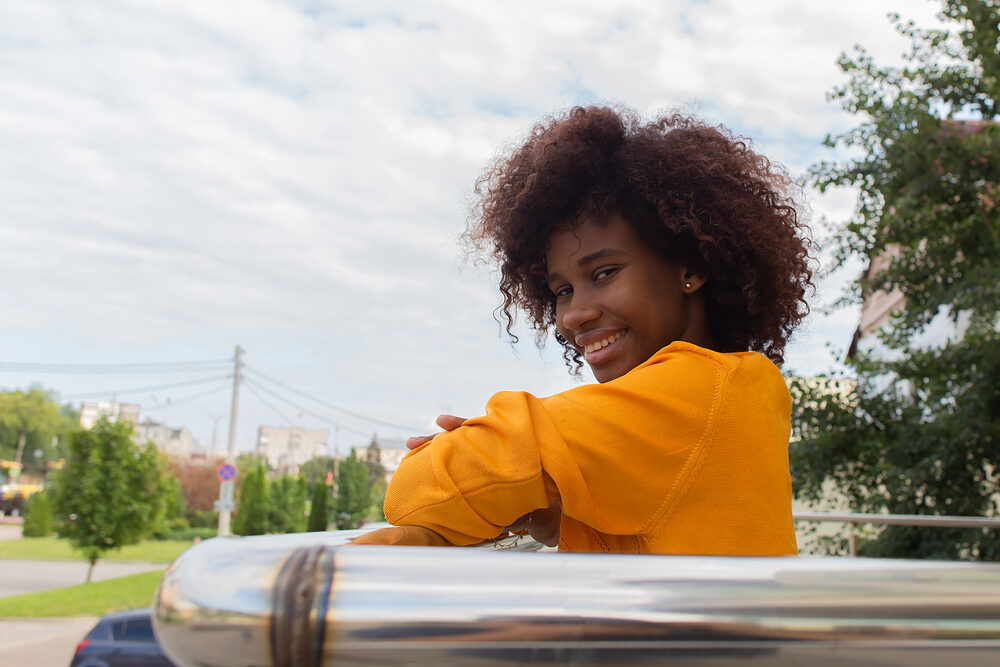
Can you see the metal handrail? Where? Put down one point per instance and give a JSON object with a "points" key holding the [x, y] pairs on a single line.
{"points": [[936, 521], [304, 601]]}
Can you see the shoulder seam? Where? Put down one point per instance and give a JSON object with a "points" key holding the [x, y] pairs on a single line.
{"points": [[693, 465]]}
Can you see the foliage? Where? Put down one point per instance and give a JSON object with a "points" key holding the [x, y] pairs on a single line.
{"points": [[373, 459], [920, 433], [319, 510], [353, 492], [171, 515], [37, 516], [252, 516], [199, 486], [37, 415], [91, 599], [287, 504], [108, 493], [315, 470]]}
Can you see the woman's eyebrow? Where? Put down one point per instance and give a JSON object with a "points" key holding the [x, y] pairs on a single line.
{"points": [[600, 254], [587, 259]]}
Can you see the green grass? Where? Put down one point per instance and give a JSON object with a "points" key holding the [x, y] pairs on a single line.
{"points": [[93, 599], [53, 548]]}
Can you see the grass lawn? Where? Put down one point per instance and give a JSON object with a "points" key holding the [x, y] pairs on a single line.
{"points": [[93, 599], [57, 549]]}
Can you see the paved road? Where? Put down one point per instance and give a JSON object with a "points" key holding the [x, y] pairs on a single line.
{"points": [[41, 642], [48, 642], [29, 576]]}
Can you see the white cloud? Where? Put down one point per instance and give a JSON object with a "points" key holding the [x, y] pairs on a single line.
{"points": [[181, 177]]}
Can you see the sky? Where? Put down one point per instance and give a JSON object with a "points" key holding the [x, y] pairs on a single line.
{"points": [[179, 178]]}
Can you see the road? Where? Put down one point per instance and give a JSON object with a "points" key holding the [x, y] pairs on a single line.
{"points": [[48, 642], [41, 642]]}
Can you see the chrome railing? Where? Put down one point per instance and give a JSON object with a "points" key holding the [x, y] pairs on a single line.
{"points": [[305, 600], [853, 519]]}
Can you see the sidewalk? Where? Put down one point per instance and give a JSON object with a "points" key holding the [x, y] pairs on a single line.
{"points": [[41, 642]]}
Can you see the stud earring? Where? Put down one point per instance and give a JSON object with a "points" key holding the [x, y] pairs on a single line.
{"points": [[688, 285]]}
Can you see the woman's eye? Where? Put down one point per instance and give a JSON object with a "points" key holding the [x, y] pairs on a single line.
{"points": [[601, 274], [562, 291]]}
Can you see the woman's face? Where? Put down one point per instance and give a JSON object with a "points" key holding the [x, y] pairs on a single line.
{"points": [[617, 301]]}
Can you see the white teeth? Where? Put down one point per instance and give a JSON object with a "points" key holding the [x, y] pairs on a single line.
{"points": [[593, 347]]}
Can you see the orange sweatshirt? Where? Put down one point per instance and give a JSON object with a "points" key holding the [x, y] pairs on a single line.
{"points": [[685, 454]]}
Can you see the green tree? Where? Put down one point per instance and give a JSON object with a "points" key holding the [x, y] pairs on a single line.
{"points": [[353, 492], [373, 459], [921, 432], [252, 509], [31, 420], [319, 510], [37, 516], [109, 491], [171, 517], [287, 504], [315, 470]]}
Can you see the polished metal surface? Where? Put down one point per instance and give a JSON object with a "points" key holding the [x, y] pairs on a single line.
{"points": [[303, 600]]}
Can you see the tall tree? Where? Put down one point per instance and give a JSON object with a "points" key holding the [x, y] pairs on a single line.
{"points": [[373, 459], [109, 491], [315, 470], [319, 510], [287, 499], [921, 432], [252, 517], [353, 492], [30, 421]]}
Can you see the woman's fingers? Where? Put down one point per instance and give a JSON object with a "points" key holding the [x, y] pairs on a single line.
{"points": [[449, 422], [417, 440]]}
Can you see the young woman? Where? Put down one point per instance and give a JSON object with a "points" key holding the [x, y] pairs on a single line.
{"points": [[669, 257]]}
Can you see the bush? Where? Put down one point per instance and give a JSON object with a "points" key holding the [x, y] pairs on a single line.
{"points": [[189, 534], [37, 516]]}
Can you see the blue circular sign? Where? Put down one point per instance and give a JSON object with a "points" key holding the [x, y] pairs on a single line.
{"points": [[226, 472]]}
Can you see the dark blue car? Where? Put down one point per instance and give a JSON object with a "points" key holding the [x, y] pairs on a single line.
{"points": [[121, 639]]}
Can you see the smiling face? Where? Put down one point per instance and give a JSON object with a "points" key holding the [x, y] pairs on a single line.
{"points": [[617, 300]]}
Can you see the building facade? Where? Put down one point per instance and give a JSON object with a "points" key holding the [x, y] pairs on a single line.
{"points": [[288, 448]]}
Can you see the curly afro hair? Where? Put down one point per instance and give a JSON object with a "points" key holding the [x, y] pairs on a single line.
{"points": [[697, 194]]}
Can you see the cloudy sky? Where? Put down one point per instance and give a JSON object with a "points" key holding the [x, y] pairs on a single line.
{"points": [[177, 178]]}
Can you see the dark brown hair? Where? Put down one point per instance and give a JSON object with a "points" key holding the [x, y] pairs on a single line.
{"points": [[697, 194]]}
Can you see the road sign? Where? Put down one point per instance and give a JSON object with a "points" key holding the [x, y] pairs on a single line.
{"points": [[226, 472], [224, 505]]}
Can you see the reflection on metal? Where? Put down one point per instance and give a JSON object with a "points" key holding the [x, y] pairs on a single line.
{"points": [[303, 600]]}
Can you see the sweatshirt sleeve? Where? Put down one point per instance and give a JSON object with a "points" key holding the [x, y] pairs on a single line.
{"points": [[613, 455]]}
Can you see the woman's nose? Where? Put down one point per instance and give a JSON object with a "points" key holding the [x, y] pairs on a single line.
{"points": [[581, 310]]}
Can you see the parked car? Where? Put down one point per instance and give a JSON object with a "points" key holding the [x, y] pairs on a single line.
{"points": [[121, 639]]}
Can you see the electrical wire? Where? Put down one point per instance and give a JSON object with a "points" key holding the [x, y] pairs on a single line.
{"points": [[250, 387], [134, 390], [304, 410], [186, 399], [136, 368], [356, 415]]}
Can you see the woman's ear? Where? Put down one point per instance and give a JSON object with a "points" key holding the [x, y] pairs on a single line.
{"points": [[691, 281]]}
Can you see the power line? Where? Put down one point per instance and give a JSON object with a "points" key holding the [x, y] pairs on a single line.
{"points": [[185, 399], [300, 408], [128, 368], [135, 390], [250, 386], [356, 415]]}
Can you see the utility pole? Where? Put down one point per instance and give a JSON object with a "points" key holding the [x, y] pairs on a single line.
{"points": [[226, 489]]}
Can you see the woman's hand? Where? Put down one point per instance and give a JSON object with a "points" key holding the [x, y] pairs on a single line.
{"points": [[541, 524], [447, 422]]}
